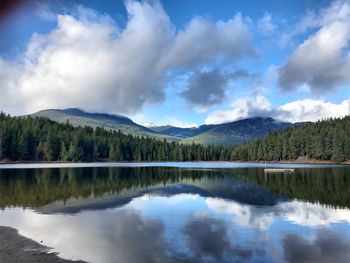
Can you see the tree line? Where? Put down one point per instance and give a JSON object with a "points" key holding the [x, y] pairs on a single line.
{"points": [[40, 139], [327, 140]]}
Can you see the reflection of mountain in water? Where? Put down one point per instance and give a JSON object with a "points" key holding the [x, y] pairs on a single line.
{"points": [[71, 190], [74, 189]]}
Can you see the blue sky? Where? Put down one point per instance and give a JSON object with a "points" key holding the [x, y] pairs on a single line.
{"points": [[181, 63]]}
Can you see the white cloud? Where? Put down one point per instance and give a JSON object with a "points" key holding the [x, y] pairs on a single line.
{"points": [[296, 111], [321, 62], [88, 62], [241, 108], [161, 120], [337, 11], [203, 40], [312, 110], [266, 25]]}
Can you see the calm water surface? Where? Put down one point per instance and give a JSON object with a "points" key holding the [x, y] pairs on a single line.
{"points": [[191, 212]]}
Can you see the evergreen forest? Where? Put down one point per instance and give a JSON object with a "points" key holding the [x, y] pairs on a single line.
{"points": [[40, 139], [326, 140]]}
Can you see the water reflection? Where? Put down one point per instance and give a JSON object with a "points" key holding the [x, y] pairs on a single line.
{"points": [[35, 188], [72, 189], [171, 214], [190, 228]]}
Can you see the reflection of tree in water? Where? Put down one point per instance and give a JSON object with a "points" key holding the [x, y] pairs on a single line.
{"points": [[39, 187], [330, 186]]}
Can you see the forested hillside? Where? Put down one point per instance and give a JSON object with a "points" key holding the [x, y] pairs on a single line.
{"points": [[40, 139], [324, 140]]}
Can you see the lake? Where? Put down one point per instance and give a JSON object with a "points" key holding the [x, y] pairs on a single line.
{"points": [[181, 212]]}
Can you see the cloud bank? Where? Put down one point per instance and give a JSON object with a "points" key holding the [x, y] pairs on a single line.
{"points": [[295, 111], [87, 61]]}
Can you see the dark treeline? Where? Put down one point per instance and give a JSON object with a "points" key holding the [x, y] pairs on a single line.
{"points": [[323, 140], [39, 139]]}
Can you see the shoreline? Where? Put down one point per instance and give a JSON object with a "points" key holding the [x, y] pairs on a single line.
{"points": [[17, 248], [300, 160]]}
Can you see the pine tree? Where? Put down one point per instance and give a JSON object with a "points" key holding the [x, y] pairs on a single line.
{"points": [[95, 153], [337, 151], [112, 153], [74, 152], [63, 152]]}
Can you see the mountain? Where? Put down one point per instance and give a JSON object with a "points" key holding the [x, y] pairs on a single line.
{"points": [[219, 134], [78, 117], [237, 132]]}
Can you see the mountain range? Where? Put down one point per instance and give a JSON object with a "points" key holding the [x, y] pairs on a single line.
{"points": [[231, 133]]}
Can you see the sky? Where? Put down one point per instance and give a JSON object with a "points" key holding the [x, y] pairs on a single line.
{"points": [[183, 63]]}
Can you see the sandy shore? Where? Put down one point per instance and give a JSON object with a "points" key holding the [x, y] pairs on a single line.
{"points": [[15, 248]]}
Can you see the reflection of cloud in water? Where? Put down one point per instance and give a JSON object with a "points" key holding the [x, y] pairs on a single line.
{"points": [[301, 213], [171, 201], [114, 236], [135, 240], [326, 247], [208, 241]]}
